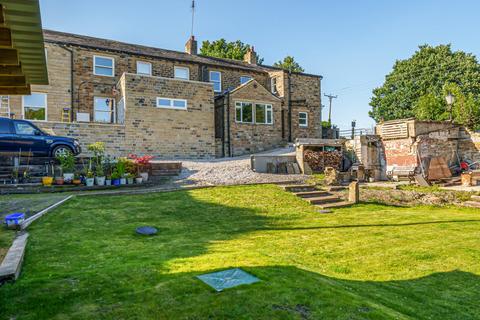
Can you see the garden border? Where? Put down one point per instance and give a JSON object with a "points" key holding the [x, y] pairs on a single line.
{"points": [[12, 263]]}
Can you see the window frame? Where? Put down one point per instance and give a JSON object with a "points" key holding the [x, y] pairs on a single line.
{"points": [[112, 112], [306, 119], [95, 65], [219, 81], [273, 88], [145, 63], [45, 107], [172, 102], [175, 68], [268, 108], [249, 78]]}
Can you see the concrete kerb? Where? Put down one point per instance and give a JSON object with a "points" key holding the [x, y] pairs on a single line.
{"points": [[12, 263], [38, 215]]}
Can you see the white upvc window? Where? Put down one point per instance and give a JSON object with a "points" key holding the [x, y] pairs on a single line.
{"points": [[273, 85], [244, 112], [182, 73], [216, 79], [244, 79], [144, 68], [263, 113], [303, 119], [34, 106], [103, 66], [104, 109], [169, 103]]}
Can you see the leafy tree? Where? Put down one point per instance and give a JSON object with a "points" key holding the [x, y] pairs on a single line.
{"points": [[289, 63], [229, 50], [417, 86]]}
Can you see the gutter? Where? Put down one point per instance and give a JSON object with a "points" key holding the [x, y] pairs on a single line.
{"points": [[71, 80], [289, 106], [228, 125]]}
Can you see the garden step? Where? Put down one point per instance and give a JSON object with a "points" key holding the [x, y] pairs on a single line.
{"points": [[472, 204], [299, 188], [333, 205], [324, 199], [475, 198], [312, 194], [336, 188], [170, 172]]}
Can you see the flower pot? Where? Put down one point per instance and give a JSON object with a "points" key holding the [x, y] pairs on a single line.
{"points": [[59, 181], [116, 182], [47, 181], [100, 181], [89, 182], [77, 182], [108, 182], [130, 180], [123, 181], [68, 177], [138, 180], [144, 176]]}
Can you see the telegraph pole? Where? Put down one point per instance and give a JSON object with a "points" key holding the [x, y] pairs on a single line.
{"points": [[330, 97]]}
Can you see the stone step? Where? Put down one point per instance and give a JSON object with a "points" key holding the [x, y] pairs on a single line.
{"points": [[164, 173], [333, 205], [472, 204], [324, 199], [312, 194], [299, 187], [336, 188], [475, 198]]}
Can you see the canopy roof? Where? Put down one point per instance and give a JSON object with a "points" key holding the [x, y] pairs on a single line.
{"points": [[22, 52]]}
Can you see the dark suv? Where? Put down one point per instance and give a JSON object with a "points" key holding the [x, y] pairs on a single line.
{"points": [[23, 136]]}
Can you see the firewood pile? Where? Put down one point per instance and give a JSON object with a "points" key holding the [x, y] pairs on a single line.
{"points": [[319, 160]]}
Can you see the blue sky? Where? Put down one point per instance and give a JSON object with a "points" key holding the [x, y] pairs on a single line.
{"points": [[353, 44]]}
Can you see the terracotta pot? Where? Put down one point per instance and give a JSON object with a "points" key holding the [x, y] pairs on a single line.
{"points": [[60, 181], [77, 182], [47, 181]]}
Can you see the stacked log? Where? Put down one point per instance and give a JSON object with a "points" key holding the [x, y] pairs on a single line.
{"points": [[319, 160]]}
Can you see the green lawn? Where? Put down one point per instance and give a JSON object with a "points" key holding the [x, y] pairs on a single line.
{"points": [[84, 260]]}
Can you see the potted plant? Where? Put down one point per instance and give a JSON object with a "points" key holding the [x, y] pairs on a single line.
{"points": [[129, 178], [76, 179], [15, 175], [108, 180], [99, 176], [143, 164], [121, 170], [115, 177], [67, 163], [138, 179], [98, 150], [47, 180], [90, 178]]}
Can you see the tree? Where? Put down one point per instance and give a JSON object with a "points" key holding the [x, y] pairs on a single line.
{"points": [[229, 50], [416, 86], [289, 63]]}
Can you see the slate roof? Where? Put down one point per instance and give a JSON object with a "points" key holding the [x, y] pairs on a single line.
{"points": [[117, 46]]}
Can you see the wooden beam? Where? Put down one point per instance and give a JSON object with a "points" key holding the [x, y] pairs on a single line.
{"points": [[5, 37], [11, 70], [16, 90], [9, 57], [13, 81]]}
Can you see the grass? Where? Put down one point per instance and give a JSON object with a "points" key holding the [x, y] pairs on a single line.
{"points": [[84, 260]]}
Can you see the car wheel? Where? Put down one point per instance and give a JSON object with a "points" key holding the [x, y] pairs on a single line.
{"points": [[61, 151]]}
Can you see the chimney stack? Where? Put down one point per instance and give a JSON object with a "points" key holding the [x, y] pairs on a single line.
{"points": [[191, 46], [250, 56]]}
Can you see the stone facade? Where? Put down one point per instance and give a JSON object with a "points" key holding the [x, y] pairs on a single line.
{"points": [[73, 85]]}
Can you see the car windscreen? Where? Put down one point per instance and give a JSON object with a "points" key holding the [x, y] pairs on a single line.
{"points": [[5, 126]]}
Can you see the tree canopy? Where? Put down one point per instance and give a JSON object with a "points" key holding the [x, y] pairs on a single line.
{"points": [[228, 50], [289, 63], [417, 87]]}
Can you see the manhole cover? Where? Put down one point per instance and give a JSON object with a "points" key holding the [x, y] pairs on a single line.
{"points": [[147, 230], [227, 279]]}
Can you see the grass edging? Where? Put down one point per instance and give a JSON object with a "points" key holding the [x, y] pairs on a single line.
{"points": [[12, 263], [39, 214]]}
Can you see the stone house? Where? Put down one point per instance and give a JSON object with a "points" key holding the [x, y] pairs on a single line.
{"points": [[169, 104]]}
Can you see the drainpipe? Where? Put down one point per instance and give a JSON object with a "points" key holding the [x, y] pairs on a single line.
{"points": [[71, 80], [290, 105], [228, 125]]}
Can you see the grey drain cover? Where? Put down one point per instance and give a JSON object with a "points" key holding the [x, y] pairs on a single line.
{"points": [[227, 279], [148, 231]]}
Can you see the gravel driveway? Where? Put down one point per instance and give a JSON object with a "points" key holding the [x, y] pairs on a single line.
{"points": [[230, 171]]}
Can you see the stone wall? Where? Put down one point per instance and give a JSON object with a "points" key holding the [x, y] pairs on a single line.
{"points": [[168, 133], [59, 88], [469, 145], [112, 135], [249, 138]]}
